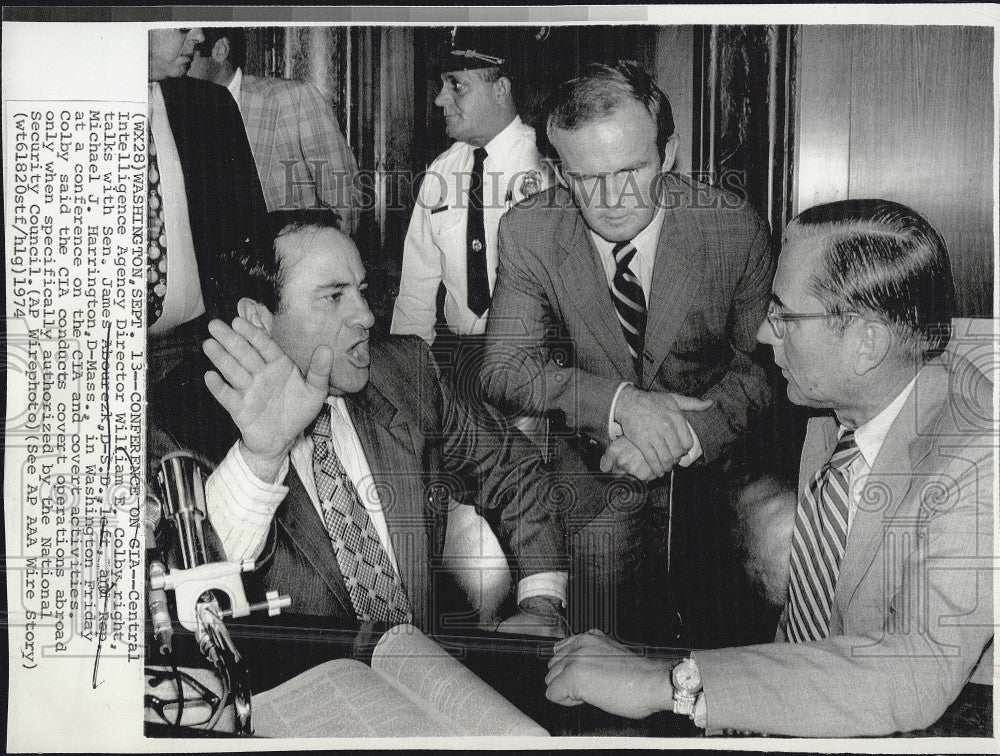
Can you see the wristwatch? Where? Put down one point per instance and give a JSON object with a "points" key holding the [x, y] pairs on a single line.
{"points": [[687, 685]]}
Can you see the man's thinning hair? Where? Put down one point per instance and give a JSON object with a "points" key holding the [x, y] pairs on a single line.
{"points": [[884, 261], [237, 43], [601, 89], [264, 280]]}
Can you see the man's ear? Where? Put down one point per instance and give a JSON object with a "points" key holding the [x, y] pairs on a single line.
{"points": [[256, 313], [874, 343], [554, 162], [556, 166], [220, 50], [502, 89], [670, 153]]}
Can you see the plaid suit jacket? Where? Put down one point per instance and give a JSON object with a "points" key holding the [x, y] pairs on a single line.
{"points": [[302, 156]]}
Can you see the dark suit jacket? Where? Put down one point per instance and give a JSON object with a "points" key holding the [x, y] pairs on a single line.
{"points": [[913, 606], [554, 343], [423, 447], [225, 202]]}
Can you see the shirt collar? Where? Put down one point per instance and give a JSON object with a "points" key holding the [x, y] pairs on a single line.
{"points": [[505, 140], [645, 241], [870, 436], [234, 85]]}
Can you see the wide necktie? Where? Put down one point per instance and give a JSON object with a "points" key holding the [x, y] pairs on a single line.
{"points": [[156, 241], [375, 589], [818, 543], [630, 304], [475, 240]]}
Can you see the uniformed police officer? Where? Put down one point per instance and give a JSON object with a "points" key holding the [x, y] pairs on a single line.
{"points": [[452, 237]]}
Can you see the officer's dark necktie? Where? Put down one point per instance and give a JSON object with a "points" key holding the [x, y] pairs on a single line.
{"points": [[626, 291], [156, 249], [475, 240], [818, 543], [375, 589]]}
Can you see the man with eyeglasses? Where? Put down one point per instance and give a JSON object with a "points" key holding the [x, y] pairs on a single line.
{"points": [[889, 612]]}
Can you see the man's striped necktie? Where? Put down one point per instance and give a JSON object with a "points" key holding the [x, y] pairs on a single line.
{"points": [[818, 543], [630, 304]]}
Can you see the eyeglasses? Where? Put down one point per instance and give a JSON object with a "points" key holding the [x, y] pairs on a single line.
{"points": [[778, 319], [195, 705]]}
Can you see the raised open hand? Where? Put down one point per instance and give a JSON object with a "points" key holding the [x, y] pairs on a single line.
{"points": [[264, 392]]}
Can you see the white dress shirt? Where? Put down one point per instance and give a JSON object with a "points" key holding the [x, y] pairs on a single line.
{"points": [[183, 300], [234, 86], [869, 438], [641, 265], [241, 507], [434, 249]]}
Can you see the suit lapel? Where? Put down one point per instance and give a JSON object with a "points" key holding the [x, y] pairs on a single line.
{"points": [[586, 287], [677, 275], [301, 521], [888, 486]]}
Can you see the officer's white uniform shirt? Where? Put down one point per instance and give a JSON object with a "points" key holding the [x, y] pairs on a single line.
{"points": [[435, 246]]}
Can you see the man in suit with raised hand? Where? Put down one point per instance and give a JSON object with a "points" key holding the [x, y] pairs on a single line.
{"points": [[658, 284], [302, 157], [348, 452], [889, 610]]}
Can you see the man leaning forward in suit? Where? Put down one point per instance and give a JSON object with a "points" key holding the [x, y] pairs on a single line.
{"points": [[349, 451], [889, 611], [626, 307]]}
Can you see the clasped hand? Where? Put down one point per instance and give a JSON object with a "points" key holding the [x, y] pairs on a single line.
{"points": [[656, 434], [592, 668], [264, 391]]}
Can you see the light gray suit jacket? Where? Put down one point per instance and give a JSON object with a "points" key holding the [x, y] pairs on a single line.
{"points": [[913, 607], [554, 342]]}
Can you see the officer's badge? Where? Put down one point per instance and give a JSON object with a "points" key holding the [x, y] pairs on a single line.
{"points": [[531, 184]]}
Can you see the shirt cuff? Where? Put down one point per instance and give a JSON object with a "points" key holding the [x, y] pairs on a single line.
{"points": [[700, 711], [241, 506], [614, 427], [694, 452], [550, 584]]}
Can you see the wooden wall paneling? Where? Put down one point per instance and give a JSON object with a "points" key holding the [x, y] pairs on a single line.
{"points": [[674, 48], [397, 116], [741, 95], [741, 81], [921, 134], [823, 138], [704, 97], [364, 69], [265, 51], [783, 44], [429, 137]]}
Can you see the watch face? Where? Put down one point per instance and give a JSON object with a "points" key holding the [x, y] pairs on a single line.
{"points": [[686, 676]]}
